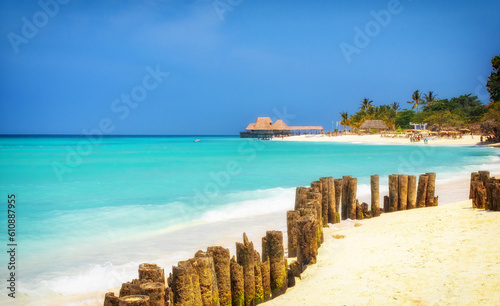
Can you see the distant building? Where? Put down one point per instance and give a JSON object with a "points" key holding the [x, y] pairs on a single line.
{"points": [[419, 126], [264, 128], [373, 124]]}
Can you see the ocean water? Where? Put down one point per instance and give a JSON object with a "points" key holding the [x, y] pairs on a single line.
{"points": [[89, 211]]}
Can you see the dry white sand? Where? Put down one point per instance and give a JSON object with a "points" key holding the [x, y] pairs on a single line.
{"points": [[441, 255], [378, 139]]}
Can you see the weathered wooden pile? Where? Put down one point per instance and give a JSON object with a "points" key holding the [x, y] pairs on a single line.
{"points": [[330, 200], [212, 278], [215, 278], [405, 194], [484, 191], [148, 289]]}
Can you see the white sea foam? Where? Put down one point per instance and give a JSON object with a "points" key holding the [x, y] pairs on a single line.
{"points": [[279, 199], [162, 247], [95, 278]]}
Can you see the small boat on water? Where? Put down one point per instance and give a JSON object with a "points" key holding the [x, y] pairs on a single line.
{"points": [[197, 140]]}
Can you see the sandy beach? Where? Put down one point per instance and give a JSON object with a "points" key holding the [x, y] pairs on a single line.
{"points": [[430, 256], [378, 139], [449, 254]]}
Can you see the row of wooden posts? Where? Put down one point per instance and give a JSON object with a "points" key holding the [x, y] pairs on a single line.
{"points": [[214, 278], [330, 200], [484, 191]]}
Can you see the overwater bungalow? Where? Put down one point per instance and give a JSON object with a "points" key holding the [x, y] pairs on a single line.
{"points": [[264, 128]]}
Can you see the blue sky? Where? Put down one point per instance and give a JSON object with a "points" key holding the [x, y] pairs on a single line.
{"points": [[211, 67]]}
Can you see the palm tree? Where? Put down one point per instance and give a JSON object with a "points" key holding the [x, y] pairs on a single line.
{"points": [[394, 114], [370, 112], [345, 119], [366, 104], [416, 100], [430, 98], [395, 106]]}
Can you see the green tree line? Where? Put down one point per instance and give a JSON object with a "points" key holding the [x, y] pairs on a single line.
{"points": [[465, 110]]}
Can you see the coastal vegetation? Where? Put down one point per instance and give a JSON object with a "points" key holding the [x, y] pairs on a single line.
{"points": [[463, 112]]}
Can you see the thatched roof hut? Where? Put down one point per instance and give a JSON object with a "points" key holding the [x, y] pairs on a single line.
{"points": [[374, 124], [266, 124], [251, 126], [262, 123], [279, 125]]}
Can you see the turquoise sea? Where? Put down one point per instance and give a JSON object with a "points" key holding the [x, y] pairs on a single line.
{"points": [[89, 210]]}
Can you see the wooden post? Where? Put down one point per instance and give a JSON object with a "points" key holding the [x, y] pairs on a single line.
{"points": [[412, 192], [151, 273], [491, 184], [205, 268], [386, 204], [431, 188], [484, 176], [259, 289], [264, 249], [393, 192], [195, 279], [111, 300], [422, 190], [300, 197], [222, 258], [295, 269], [134, 300], [316, 186], [338, 196], [364, 209], [314, 200], [237, 284], [244, 255], [472, 191], [402, 192], [375, 196], [479, 194], [291, 278], [130, 288], [266, 279], [332, 210], [351, 198], [359, 211], [277, 262], [495, 196], [324, 200], [474, 176], [156, 293], [169, 293], [345, 196], [307, 242], [292, 231], [185, 284]]}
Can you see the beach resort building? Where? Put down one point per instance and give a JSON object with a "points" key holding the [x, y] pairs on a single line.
{"points": [[264, 128], [374, 124]]}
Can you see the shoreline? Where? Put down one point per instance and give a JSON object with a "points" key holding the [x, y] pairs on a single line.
{"points": [[377, 139], [449, 192]]}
